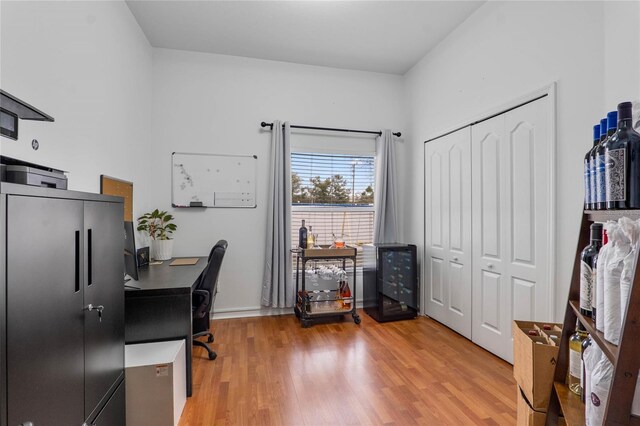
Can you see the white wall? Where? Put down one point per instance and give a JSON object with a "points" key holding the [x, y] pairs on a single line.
{"points": [[503, 51], [88, 65], [214, 104]]}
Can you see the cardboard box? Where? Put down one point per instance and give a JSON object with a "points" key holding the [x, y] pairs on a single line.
{"points": [[527, 416], [534, 362]]}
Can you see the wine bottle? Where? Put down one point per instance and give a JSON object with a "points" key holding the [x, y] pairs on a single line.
{"points": [[345, 294], [601, 196], [311, 242], [588, 261], [622, 163], [302, 236], [574, 379], [592, 164], [585, 378], [587, 168]]}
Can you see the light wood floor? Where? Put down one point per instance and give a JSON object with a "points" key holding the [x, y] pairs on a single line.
{"points": [[271, 371]]}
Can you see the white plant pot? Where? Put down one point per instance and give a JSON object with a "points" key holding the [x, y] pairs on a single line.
{"points": [[162, 249]]}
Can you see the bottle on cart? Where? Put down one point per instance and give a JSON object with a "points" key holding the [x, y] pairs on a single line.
{"points": [[593, 167], [302, 236], [588, 271], [575, 359], [311, 242], [622, 163], [601, 191], [345, 293], [587, 168]]}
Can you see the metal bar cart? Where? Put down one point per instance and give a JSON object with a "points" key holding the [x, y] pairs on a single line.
{"points": [[326, 297]]}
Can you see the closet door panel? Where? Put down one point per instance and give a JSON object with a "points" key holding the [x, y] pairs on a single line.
{"points": [[528, 129], [491, 293], [448, 230]]}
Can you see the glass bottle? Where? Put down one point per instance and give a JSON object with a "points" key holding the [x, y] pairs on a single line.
{"points": [[601, 196], [587, 168], [311, 242], [575, 359], [593, 166], [588, 262], [585, 377], [622, 163], [302, 236]]}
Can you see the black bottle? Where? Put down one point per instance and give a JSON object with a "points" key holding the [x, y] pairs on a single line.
{"points": [[302, 236], [622, 163], [587, 169], [612, 125], [588, 262], [593, 166]]}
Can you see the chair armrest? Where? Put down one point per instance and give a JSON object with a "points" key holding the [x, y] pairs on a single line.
{"points": [[199, 302]]}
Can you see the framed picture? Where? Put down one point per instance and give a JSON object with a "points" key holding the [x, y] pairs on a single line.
{"points": [[143, 256]]}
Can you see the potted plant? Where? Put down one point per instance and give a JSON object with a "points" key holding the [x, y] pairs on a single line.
{"points": [[159, 227]]}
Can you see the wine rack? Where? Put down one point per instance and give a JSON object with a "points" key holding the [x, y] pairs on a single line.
{"points": [[624, 357], [321, 303]]}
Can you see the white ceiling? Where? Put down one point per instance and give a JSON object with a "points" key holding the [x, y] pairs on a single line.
{"points": [[381, 36]]}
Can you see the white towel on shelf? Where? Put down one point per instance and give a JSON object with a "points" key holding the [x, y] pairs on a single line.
{"points": [[613, 270], [602, 261]]}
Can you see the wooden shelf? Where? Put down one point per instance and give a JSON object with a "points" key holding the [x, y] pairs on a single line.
{"points": [[605, 215], [609, 349], [572, 407]]}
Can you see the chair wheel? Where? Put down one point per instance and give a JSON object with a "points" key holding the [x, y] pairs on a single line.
{"points": [[210, 338], [212, 355]]}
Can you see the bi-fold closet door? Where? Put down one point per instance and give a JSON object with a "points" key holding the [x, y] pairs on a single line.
{"points": [[510, 210], [448, 230]]}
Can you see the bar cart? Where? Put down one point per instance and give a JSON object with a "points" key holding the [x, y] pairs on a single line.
{"points": [[331, 292]]}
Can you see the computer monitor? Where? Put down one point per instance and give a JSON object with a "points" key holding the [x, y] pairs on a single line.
{"points": [[130, 263]]}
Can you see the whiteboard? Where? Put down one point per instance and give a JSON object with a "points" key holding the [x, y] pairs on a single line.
{"points": [[211, 180]]}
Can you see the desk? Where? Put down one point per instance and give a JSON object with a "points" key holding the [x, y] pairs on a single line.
{"points": [[161, 309]]}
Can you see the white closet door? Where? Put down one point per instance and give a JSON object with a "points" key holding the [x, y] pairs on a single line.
{"points": [[511, 216], [448, 230]]}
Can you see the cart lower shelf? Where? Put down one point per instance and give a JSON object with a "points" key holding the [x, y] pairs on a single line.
{"points": [[307, 318]]}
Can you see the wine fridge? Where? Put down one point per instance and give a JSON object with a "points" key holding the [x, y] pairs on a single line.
{"points": [[390, 281]]}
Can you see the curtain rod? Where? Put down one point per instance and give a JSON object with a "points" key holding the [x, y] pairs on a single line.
{"points": [[270, 125]]}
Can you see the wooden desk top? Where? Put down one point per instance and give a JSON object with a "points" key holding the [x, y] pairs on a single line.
{"points": [[165, 277]]}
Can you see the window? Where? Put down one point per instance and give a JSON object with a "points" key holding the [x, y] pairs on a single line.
{"points": [[333, 193]]}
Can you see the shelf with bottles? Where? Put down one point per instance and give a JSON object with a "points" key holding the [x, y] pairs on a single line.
{"points": [[323, 301], [609, 349]]}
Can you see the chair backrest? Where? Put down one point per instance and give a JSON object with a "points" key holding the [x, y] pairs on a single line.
{"points": [[209, 278]]}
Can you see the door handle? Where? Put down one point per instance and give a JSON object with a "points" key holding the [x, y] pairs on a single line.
{"points": [[90, 259], [99, 308]]}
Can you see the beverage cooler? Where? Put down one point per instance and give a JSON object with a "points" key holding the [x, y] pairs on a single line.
{"points": [[390, 281]]}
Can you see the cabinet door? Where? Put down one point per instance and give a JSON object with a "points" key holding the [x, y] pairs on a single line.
{"points": [[114, 412], [448, 230], [103, 286], [511, 187], [45, 360]]}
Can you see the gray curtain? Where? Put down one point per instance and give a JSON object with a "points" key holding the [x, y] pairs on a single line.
{"points": [[386, 217], [277, 287]]}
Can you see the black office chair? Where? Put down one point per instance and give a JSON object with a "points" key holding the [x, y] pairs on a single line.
{"points": [[203, 295]]}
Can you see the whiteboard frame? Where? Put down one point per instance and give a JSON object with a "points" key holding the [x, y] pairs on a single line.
{"points": [[254, 157]]}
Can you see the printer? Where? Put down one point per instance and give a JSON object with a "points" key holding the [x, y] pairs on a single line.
{"points": [[25, 173]]}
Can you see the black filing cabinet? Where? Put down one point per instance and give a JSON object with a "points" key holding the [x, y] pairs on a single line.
{"points": [[390, 281], [62, 360]]}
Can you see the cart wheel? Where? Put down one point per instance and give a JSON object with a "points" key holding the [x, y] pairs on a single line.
{"points": [[306, 323], [356, 319]]}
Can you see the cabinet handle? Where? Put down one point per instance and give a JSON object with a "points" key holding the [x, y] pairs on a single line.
{"points": [[90, 256], [77, 287]]}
